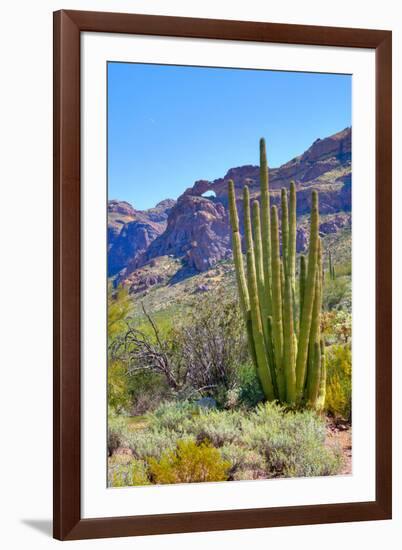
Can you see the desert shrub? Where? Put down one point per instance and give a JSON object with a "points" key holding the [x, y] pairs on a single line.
{"points": [[189, 463], [139, 473], [338, 399], [117, 386], [292, 443], [250, 392], [307, 458], [123, 473], [146, 391], [337, 294], [149, 351], [245, 463], [247, 475], [343, 269], [211, 343], [116, 477], [216, 427], [336, 326], [173, 416], [152, 442], [231, 398], [197, 356], [116, 432], [204, 425], [118, 308]]}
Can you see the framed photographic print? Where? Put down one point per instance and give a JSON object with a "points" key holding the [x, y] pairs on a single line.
{"points": [[222, 266]]}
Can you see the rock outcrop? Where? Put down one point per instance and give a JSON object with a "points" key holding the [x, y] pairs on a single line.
{"points": [[325, 161], [130, 231], [118, 214], [134, 238], [197, 230]]}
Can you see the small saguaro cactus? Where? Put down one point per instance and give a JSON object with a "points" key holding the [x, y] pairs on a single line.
{"points": [[285, 340]]}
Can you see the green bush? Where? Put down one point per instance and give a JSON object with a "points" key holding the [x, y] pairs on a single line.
{"points": [[216, 427], [173, 416], [152, 443], [250, 393], [293, 443], [338, 400], [343, 269], [118, 308], [337, 293], [117, 386], [146, 390], [245, 463], [125, 472], [189, 463]]}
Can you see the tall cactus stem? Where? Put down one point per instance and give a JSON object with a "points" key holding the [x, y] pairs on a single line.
{"points": [[292, 246], [314, 382], [250, 339], [262, 295], [315, 333], [258, 334], [237, 252], [330, 264], [277, 330], [285, 230], [292, 233], [288, 342], [302, 284], [271, 357], [265, 222], [308, 299], [323, 379]]}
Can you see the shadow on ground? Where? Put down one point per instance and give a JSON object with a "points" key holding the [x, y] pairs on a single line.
{"points": [[44, 526]]}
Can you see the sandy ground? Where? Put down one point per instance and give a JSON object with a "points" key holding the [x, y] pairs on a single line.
{"points": [[340, 434]]}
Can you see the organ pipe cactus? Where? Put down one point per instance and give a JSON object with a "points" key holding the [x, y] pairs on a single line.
{"points": [[284, 337], [331, 267]]}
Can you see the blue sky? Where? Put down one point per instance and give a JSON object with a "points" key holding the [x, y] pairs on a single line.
{"points": [[169, 126]]}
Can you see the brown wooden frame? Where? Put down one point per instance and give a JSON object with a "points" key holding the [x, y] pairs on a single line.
{"points": [[67, 481]]}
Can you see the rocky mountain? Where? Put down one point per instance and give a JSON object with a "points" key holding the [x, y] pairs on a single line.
{"points": [[130, 231], [195, 229]]}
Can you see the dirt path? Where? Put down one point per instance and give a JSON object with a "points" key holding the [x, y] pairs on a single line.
{"points": [[340, 435]]}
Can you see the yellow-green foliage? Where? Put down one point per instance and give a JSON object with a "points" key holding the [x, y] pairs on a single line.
{"points": [[189, 463], [339, 381], [118, 308], [125, 471], [117, 385], [138, 473]]}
